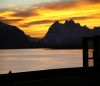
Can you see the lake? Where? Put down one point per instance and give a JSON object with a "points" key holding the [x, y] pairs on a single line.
{"points": [[21, 60]]}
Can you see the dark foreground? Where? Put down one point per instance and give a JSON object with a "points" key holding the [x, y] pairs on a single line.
{"points": [[55, 77]]}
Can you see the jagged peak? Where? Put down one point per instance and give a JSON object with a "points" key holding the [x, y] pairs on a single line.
{"points": [[56, 22], [78, 24], [85, 26], [71, 21], [66, 21]]}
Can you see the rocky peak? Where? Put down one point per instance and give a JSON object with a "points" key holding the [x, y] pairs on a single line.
{"points": [[56, 23], [70, 21]]}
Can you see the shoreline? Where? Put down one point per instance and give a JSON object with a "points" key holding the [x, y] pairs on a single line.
{"points": [[53, 76]]}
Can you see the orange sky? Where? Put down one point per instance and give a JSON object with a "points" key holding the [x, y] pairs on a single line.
{"points": [[36, 20]]}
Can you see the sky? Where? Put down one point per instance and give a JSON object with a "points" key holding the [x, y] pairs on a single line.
{"points": [[34, 17]]}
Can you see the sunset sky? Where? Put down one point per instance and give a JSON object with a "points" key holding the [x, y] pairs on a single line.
{"points": [[34, 17]]}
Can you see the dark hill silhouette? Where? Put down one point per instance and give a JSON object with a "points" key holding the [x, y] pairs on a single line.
{"points": [[68, 35], [12, 37]]}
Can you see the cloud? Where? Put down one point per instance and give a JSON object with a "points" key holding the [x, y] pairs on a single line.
{"points": [[1, 18], [81, 18], [37, 23], [90, 1], [5, 13], [94, 1], [11, 21], [58, 5], [10, 4], [96, 15], [38, 19], [26, 13]]}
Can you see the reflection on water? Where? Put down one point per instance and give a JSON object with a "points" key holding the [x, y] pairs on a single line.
{"points": [[20, 60]]}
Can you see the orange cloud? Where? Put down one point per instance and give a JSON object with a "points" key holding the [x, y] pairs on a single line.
{"points": [[59, 5], [37, 23], [6, 13], [36, 20], [26, 13], [90, 1]]}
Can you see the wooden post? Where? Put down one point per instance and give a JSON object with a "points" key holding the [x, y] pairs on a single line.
{"points": [[97, 54], [85, 54], [94, 60]]}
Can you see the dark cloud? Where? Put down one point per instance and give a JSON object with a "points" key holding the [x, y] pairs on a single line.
{"points": [[81, 18], [92, 16], [4, 9], [91, 1], [26, 13], [10, 21], [1, 18], [37, 22], [59, 5]]}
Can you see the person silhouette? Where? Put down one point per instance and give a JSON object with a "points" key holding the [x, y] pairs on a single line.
{"points": [[10, 79], [10, 72]]}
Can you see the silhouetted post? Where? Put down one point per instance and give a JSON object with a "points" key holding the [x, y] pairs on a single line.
{"points": [[88, 53], [97, 54], [10, 81], [91, 53], [85, 54], [10, 72]]}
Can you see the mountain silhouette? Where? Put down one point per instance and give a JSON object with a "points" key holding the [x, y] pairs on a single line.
{"points": [[68, 35], [12, 37]]}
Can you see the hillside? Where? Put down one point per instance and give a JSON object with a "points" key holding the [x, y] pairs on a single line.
{"points": [[12, 37], [68, 35]]}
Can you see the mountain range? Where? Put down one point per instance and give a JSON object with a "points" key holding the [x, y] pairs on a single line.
{"points": [[67, 35]]}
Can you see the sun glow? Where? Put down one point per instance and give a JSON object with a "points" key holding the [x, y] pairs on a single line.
{"points": [[37, 20]]}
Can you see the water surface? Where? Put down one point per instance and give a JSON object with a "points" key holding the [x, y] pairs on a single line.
{"points": [[21, 60]]}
